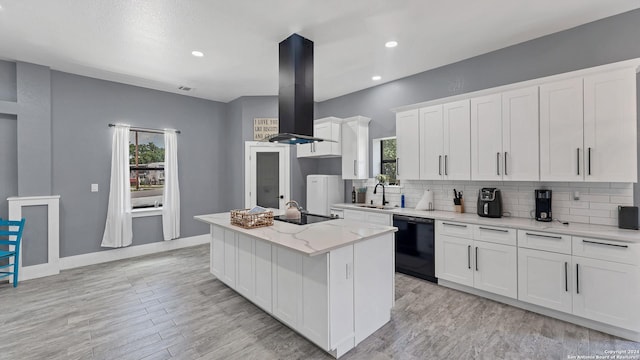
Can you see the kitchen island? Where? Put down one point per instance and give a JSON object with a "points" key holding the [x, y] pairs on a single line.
{"points": [[332, 281]]}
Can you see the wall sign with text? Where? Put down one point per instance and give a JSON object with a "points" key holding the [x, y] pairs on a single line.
{"points": [[264, 128]]}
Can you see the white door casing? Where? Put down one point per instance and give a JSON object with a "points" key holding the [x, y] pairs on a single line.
{"points": [[252, 148]]}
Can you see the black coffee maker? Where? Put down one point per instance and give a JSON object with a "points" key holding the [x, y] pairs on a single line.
{"points": [[543, 205], [490, 203]]}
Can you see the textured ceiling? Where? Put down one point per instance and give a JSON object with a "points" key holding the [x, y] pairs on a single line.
{"points": [[149, 43]]}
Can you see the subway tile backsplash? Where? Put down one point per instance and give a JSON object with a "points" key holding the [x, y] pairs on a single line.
{"points": [[597, 204]]}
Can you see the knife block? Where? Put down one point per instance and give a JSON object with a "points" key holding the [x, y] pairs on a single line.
{"points": [[459, 208]]}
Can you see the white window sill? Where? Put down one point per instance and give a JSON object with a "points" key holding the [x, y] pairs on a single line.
{"points": [[136, 213]]}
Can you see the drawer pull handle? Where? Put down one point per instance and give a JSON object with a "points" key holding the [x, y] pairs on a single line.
{"points": [[566, 277], [577, 278], [545, 236], [458, 225], [500, 230], [477, 259], [601, 243]]}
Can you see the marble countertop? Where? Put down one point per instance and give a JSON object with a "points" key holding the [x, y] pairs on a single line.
{"points": [[312, 239], [574, 229]]}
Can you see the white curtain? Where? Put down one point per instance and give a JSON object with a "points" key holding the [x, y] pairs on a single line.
{"points": [[118, 231], [171, 194]]}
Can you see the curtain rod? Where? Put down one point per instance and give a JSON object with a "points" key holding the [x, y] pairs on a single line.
{"points": [[158, 131]]}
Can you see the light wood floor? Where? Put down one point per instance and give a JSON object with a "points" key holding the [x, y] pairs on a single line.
{"points": [[168, 306]]}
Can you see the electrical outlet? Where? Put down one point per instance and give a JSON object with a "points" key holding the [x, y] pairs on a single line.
{"points": [[576, 195], [94, 187]]}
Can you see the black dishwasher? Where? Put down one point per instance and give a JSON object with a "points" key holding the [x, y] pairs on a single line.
{"points": [[415, 247]]}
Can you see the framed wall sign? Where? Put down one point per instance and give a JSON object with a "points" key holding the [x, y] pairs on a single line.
{"points": [[264, 128]]}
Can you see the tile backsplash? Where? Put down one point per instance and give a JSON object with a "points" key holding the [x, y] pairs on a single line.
{"points": [[597, 204]]}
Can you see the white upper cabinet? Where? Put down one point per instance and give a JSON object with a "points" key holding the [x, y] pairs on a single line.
{"points": [[561, 131], [328, 129], [408, 145], [457, 141], [520, 140], [486, 138], [588, 128], [610, 122], [431, 143], [355, 148]]}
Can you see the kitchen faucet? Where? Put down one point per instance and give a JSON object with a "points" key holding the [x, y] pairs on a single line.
{"points": [[384, 201]]}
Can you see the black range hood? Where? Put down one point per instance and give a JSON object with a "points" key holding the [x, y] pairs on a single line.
{"points": [[295, 94]]}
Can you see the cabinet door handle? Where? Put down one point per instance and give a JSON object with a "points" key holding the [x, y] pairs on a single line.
{"points": [[589, 162], [505, 163], [458, 225], [469, 256], [397, 166], [545, 236], [445, 165], [477, 258], [566, 276], [486, 228], [578, 278], [601, 243], [578, 159], [439, 164], [497, 163], [355, 166]]}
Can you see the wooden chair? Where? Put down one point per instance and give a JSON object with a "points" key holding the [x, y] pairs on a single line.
{"points": [[6, 235]]}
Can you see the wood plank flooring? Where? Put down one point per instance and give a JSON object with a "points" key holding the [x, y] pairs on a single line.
{"points": [[168, 306]]}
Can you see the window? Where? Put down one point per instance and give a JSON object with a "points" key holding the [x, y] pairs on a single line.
{"points": [[146, 165], [388, 159]]}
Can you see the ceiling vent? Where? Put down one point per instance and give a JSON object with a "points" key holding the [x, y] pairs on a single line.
{"points": [[184, 88]]}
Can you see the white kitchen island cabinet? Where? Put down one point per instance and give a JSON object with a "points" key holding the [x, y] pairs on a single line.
{"points": [[331, 282]]}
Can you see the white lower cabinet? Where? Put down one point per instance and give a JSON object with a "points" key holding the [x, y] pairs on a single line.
{"points": [[315, 295], [453, 260], [486, 266], [287, 285], [496, 269], [608, 292], [263, 278], [544, 278], [223, 255], [217, 251]]}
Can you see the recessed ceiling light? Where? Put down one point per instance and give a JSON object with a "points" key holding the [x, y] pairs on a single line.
{"points": [[376, 78], [197, 53], [391, 44]]}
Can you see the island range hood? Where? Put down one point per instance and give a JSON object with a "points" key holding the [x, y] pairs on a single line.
{"points": [[295, 94]]}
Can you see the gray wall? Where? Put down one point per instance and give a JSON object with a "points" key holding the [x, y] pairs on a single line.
{"points": [[8, 161], [600, 42], [8, 84], [82, 108], [241, 113]]}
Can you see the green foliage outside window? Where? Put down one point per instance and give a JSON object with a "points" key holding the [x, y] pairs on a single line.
{"points": [[388, 159]]}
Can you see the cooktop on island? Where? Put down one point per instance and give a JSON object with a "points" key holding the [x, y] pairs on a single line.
{"points": [[304, 219]]}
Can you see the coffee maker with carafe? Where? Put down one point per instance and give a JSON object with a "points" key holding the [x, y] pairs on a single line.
{"points": [[543, 205]]}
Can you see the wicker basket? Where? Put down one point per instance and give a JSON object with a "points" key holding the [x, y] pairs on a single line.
{"points": [[245, 220]]}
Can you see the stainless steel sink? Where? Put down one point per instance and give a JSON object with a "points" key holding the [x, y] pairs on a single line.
{"points": [[379, 207]]}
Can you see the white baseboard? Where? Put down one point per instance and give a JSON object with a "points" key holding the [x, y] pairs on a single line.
{"points": [[99, 257], [37, 271]]}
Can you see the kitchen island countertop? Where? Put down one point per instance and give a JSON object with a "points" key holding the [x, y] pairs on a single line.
{"points": [[311, 239]]}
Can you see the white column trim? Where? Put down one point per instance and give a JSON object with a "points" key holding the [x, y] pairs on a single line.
{"points": [[52, 266]]}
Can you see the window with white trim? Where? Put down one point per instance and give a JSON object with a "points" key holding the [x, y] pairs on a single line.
{"points": [[146, 165]]}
